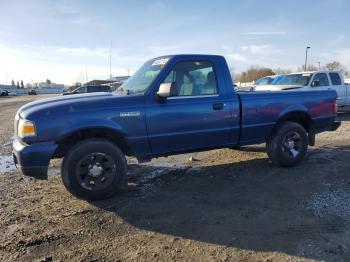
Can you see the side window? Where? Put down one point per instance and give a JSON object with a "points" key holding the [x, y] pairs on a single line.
{"points": [[81, 90], [335, 78], [322, 79], [93, 89], [263, 81], [194, 78]]}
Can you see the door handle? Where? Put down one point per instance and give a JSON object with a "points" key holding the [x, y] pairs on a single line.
{"points": [[218, 106]]}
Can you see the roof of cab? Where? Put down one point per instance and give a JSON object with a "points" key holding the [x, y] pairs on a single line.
{"points": [[189, 56]]}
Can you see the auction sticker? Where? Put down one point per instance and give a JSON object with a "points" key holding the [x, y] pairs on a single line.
{"points": [[160, 62]]}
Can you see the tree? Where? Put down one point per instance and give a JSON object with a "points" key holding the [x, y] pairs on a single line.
{"points": [[22, 85], [335, 65], [48, 81], [310, 67], [17, 84], [13, 82], [281, 71], [253, 73]]}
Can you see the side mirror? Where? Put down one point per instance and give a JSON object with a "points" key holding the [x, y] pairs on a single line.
{"points": [[166, 90], [315, 83]]}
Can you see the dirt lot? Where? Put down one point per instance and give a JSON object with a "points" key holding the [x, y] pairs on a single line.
{"points": [[227, 206]]}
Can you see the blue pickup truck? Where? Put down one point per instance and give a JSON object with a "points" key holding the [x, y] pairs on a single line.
{"points": [[171, 105]]}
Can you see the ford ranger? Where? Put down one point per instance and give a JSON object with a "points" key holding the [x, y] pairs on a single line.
{"points": [[171, 105]]}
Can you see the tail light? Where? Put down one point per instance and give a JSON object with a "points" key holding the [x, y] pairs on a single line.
{"points": [[335, 107]]}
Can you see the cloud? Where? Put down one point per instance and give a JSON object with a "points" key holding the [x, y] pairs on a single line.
{"points": [[62, 64], [265, 33], [343, 56], [260, 49], [157, 7], [237, 57]]}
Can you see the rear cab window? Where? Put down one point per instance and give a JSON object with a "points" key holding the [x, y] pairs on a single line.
{"points": [[335, 79]]}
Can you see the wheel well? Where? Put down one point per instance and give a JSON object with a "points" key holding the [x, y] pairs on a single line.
{"points": [[301, 118], [111, 135]]}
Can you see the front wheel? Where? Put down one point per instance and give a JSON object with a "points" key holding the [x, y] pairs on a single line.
{"points": [[288, 144], [93, 169]]}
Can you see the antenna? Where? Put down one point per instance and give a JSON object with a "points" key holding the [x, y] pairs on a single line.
{"points": [[110, 62]]}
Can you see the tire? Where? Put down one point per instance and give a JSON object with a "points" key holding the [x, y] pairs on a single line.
{"points": [[288, 144], [93, 169]]}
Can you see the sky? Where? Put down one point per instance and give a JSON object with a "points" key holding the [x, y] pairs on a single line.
{"points": [[64, 40]]}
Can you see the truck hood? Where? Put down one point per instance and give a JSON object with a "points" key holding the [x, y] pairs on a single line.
{"points": [[70, 103], [277, 87]]}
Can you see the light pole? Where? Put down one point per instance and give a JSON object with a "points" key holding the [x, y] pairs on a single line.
{"points": [[319, 66], [307, 48]]}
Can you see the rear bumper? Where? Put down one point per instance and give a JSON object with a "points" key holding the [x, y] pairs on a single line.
{"points": [[33, 160], [335, 126]]}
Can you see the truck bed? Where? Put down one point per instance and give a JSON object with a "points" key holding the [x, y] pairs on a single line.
{"points": [[261, 110]]}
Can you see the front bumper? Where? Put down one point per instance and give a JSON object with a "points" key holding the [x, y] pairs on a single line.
{"points": [[33, 160]]}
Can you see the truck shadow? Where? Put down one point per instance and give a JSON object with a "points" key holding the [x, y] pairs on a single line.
{"points": [[248, 205]]}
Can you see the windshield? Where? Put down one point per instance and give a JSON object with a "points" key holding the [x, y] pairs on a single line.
{"points": [[277, 80], [142, 78], [264, 81], [296, 79]]}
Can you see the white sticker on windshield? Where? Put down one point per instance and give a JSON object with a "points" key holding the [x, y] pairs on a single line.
{"points": [[161, 62]]}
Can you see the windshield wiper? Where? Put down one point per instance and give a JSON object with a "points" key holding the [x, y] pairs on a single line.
{"points": [[123, 91]]}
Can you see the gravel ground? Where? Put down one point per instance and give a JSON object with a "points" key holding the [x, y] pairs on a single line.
{"points": [[220, 205]]}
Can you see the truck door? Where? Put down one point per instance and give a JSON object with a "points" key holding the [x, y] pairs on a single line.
{"points": [[197, 116]]}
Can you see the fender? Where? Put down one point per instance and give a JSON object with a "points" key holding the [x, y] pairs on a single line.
{"points": [[293, 109], [90, 124]]}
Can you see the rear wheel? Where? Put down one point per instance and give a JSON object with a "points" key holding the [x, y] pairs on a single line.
{"points": [[93, 169], [288, 144]]}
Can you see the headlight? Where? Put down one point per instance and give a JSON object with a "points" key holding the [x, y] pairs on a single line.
{"points": [[26, 128]]}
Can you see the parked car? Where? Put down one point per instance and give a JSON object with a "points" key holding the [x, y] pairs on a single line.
{"points": [[32, 92], [89, 89], [171, 105], [317, 80], [4, 93], [267, 80], [12, 93]]}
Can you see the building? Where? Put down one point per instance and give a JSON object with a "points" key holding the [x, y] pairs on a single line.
{"points": [[46, 85], [114, 81], [41, 88]]}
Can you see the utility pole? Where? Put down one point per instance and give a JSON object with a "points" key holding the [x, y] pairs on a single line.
{"points": [[319, 66], [307, 48]]}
